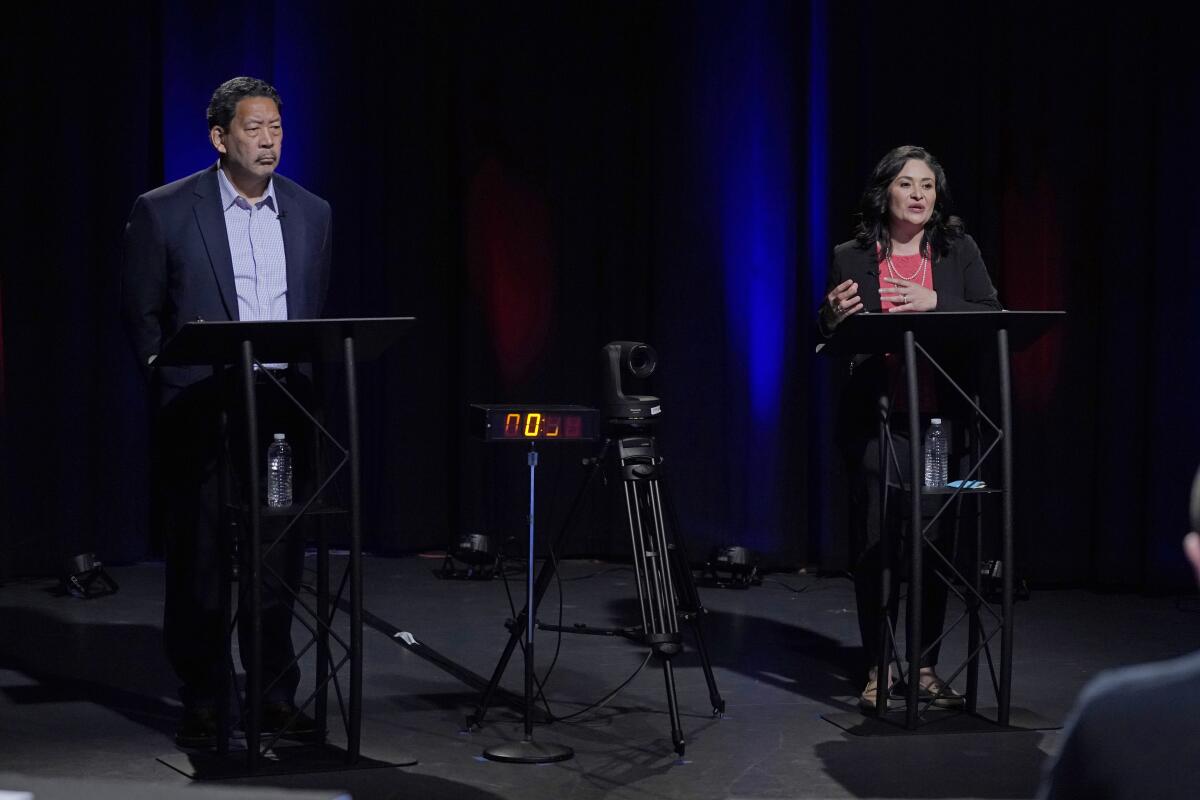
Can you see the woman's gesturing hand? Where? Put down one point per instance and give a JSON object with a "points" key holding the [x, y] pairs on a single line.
{"points": [[841, 303], [908, 296]]}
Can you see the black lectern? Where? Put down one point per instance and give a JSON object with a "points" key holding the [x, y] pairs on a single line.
{"points": [[248, 346], [911, 333]]}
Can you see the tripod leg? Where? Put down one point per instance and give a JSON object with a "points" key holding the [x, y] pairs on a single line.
{"points": [[714, 694], [637, 545], [652, 563], [670, 613], [673, 707], [663, 556], [689, 599], [648, 540]]}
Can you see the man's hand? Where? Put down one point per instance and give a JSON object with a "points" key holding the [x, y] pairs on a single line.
{"points": [[1191, 548]]}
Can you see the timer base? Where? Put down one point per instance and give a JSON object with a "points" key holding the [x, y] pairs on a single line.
{"points": [[528, 751]]}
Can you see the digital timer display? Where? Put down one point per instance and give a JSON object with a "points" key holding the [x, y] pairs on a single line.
{"points": [[513, 423]]}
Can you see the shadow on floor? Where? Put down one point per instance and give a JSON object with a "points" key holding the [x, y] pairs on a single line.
{"points": [[787, 657], [117, 666], [1000, 765], [375, 784]]}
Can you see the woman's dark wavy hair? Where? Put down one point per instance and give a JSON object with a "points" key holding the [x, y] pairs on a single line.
{"points": [[943, 227], [222, 108]]}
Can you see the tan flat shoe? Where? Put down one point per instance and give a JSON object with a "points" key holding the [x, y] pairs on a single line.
{"points": [[932, 688], [866, 700]]}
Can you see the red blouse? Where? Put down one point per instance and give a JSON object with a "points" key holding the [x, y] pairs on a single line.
{"points": [[909, 268]]}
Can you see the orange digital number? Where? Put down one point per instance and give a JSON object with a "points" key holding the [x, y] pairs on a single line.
{"points": [[512, 425], [553, 424], [533, 424]]}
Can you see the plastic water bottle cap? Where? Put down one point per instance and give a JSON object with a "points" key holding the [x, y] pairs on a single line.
{"points": [[934, 421], [279, 437]]}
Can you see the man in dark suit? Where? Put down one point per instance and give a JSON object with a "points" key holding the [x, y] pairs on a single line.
{"points": [[1133, 731], [233, 242]]}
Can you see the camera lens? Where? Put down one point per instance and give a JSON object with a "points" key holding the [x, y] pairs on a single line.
{"points": [[642, 361]]}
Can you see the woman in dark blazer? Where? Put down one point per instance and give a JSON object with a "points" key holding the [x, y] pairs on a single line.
{"points": [[909, 255]]}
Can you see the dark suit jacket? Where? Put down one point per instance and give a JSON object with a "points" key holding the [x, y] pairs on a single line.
{"points": [[1132, 735], [962, 284], [959, 278], [177, 267]]}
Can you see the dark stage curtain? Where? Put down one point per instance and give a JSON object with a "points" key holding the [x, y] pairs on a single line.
{"points": [[534, 180]]}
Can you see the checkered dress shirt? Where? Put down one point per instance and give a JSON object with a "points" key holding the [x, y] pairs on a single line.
{"points": [[256, 245]]}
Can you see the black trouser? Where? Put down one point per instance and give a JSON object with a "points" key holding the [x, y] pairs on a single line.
{"points": [[187, 447], [868, 590]]}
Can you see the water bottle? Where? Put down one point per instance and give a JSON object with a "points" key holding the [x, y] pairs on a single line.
{"points": [[937, 450], [279, 473]]}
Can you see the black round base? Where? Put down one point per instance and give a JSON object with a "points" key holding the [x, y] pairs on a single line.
{"points": [[528, 752]]}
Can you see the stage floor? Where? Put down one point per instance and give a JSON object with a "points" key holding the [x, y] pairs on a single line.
{"points": [[86, 693]]}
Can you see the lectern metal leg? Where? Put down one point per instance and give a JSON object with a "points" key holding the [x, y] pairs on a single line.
{"points": [[1006, 636], [886, 567], [224, 556], [321, 701], [974, 624], [252, 717], [915, 535], [356, 593]]}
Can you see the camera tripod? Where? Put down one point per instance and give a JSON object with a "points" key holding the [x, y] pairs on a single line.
{"points": [[665, 587]]}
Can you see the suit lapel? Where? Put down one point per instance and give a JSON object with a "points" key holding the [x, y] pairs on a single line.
{"points": [[944, 280], [865, 270], [211, 221], [295, 250]]}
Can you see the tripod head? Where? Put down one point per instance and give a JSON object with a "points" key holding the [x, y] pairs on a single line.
{"points": [[636, 360]]}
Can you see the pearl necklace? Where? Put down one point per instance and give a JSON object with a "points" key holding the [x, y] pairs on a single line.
{"points": [[914, 277]]}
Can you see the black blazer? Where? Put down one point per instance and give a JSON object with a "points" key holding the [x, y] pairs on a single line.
{"points": [[959, 278], [177, 267], [962, 284]]}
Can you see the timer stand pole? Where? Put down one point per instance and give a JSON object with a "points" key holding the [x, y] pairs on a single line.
{"points": [[667, 563], [544, 577], [527, 751]]}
